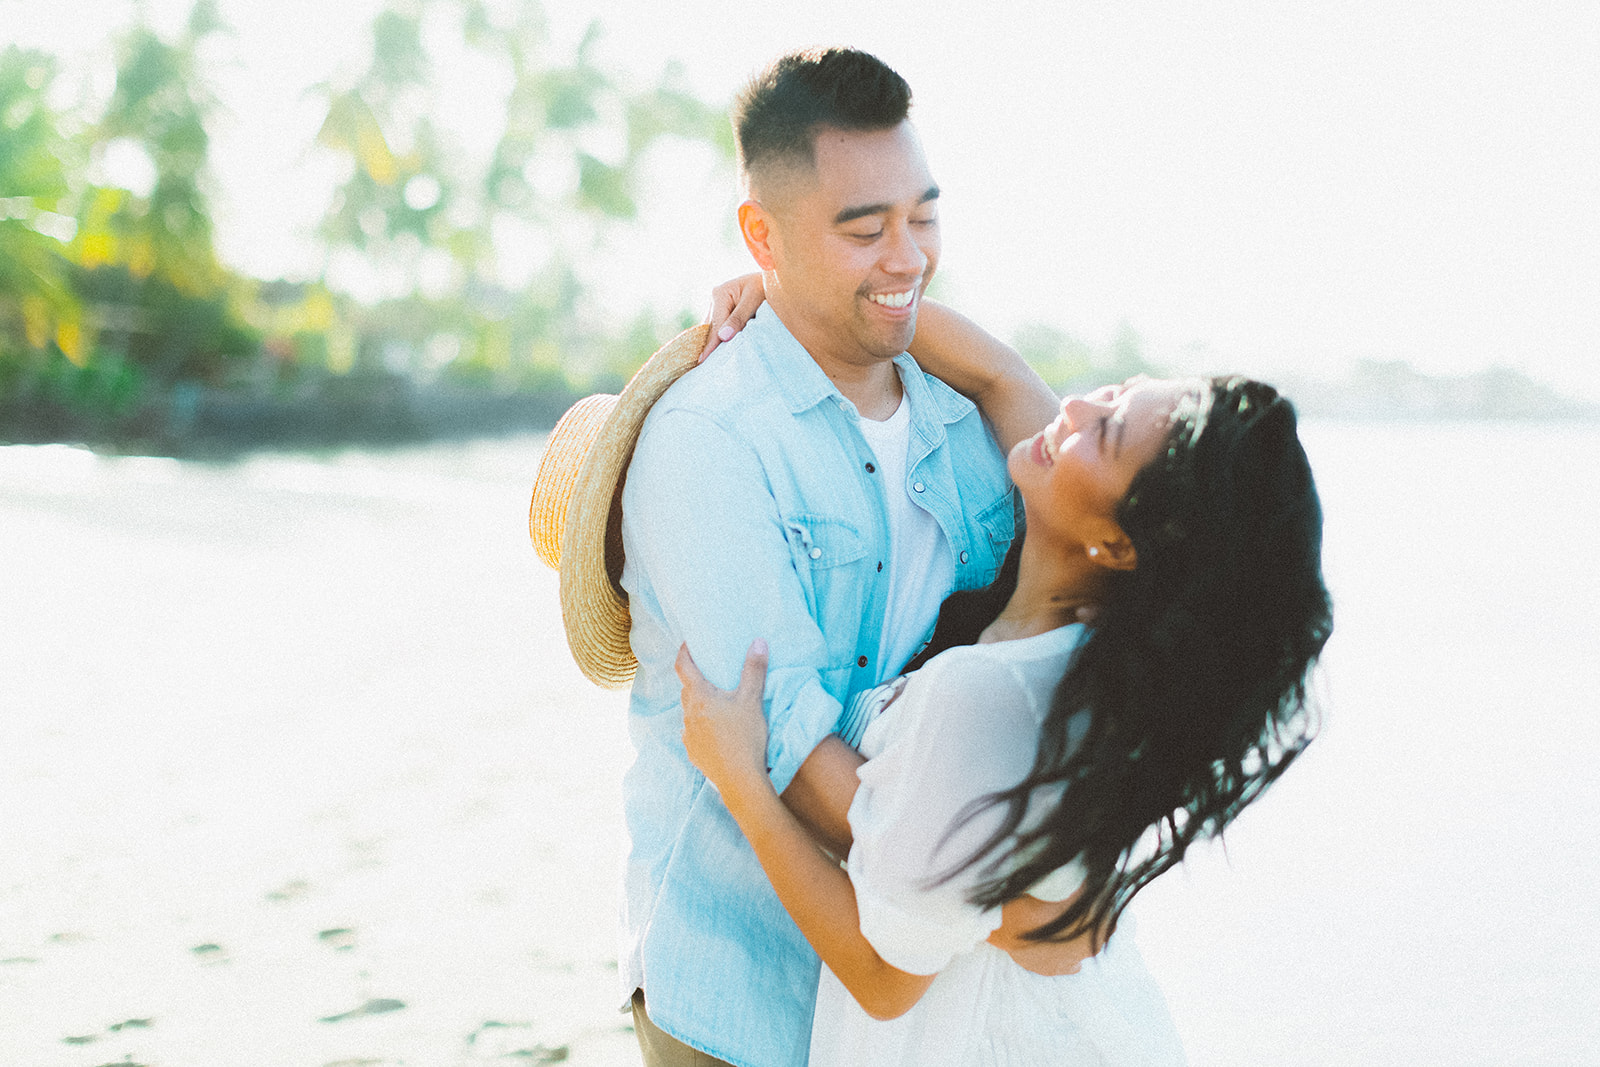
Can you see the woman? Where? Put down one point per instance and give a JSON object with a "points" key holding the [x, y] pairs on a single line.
{"points": [[1055, 762]]}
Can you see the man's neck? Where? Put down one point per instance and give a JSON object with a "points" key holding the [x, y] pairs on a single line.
{"points": [[872, 384], [875, 390]]}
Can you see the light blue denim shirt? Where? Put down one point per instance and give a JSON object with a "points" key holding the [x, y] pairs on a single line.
{"points": [[752, 508]]}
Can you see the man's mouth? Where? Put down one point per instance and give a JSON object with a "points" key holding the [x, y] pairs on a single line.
{"points": [[894, 301]]}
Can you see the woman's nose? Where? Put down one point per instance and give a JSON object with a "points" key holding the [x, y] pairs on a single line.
{"points": [[1076, 410]]}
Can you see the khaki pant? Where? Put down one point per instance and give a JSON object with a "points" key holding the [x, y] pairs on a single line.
{"points": [[661, 1049]]}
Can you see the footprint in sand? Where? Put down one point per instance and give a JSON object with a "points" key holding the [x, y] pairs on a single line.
{"points": [[290, 891], [126, 1024], [496, 1041], [371, 1007], [340, 937]]}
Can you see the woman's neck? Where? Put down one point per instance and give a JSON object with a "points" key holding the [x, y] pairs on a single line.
{"points": [[1055, 586]]}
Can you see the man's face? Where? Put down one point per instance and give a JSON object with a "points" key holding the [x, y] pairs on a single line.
{"points": [[854, 244]]}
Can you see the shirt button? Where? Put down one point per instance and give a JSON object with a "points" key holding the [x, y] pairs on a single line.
{"points": [[862, 662], [871, 469], [963, 557], [816, 553], [917, 487], [880, 566]]}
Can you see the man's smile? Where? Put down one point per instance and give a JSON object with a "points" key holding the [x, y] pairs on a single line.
{"points": [[894, 300]]}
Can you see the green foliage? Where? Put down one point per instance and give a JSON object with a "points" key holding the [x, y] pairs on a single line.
{"points": [[107, 384], [398, 58], [670, 109], [1125, 356], [1069, 364], [136, 297], [30, 145], [37, 307], [113, 298], [604, 188], [171, 335], [161, 104], [401, 206], [1058, 357]]}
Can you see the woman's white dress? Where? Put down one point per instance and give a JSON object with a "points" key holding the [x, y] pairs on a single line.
{"points": [[967, 724]]}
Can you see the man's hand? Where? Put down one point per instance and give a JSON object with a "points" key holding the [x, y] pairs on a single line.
{"points": [[733, 304]]}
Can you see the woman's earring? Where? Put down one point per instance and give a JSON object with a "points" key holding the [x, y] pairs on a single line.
{"points": [[1094, 550]]}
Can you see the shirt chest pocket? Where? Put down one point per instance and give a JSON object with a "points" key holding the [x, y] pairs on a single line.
{"points": [[823, 550], [994, 529]]}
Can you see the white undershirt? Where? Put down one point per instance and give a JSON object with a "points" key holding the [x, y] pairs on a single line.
{"points": [[921, 572]]}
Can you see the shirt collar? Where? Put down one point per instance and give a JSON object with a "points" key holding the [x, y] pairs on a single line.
{"points": [[803, 385], [796, 375], [929, 394]]}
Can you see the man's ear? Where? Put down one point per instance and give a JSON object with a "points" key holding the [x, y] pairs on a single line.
{"points": [[755, 225]]}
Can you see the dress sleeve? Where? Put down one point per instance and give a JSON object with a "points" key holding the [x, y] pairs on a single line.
{"points": [[964, 728], [701, 522]]}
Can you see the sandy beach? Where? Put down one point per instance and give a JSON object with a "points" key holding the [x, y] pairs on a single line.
{"points": [[283, 788], [295, 771]]}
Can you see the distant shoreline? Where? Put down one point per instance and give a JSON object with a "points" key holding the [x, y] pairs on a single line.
{"points": [[200, 421], [392, 410]]}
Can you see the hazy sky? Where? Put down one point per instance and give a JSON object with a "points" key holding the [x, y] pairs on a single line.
{"points": [[1251, 185]]}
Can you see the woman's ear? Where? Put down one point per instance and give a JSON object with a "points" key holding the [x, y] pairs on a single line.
{"points": [[1113, 550]]}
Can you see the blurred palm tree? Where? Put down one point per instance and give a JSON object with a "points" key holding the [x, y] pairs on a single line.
{"points": [[159, 107], [112, 298], [412, 210], [157, 297], [37, 304]]}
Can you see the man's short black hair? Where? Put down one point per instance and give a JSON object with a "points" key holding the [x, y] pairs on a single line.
{"points": [[777, 114]]}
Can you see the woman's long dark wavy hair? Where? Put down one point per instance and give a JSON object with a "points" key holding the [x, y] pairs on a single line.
{"points": [[1193, 681]]}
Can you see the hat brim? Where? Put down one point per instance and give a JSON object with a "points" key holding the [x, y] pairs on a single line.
{"points": [[594, 609]]}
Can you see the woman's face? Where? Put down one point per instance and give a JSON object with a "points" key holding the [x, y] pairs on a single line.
{"points": [[1080, 466]]}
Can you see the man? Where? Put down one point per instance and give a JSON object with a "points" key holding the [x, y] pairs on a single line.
{"points": [[808, 486]]}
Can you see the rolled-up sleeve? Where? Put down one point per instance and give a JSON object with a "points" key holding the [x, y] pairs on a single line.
{"points": [[704, 530]]}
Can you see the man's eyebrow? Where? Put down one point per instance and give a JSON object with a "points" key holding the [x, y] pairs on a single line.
{"points": [[850, 214]]}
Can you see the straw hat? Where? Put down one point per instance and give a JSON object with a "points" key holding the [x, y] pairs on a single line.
{"points": [[575, 520]]}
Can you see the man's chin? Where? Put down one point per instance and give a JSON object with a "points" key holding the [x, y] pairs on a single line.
{"points": [[890, 344]]}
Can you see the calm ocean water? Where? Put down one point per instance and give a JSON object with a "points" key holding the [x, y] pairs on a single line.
{"points": [[297, 771]]}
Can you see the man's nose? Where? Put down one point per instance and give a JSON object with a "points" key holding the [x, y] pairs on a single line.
{"points": [[902, 254]]}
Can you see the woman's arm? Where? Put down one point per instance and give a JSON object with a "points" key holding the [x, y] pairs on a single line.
{"points": [[950, 346], [820, 794], [973, 362], [726, 737], [1042, 957], [821, 791]]}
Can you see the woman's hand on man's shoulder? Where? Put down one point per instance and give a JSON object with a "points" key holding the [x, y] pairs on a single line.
{"points": [[733, 303]]}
